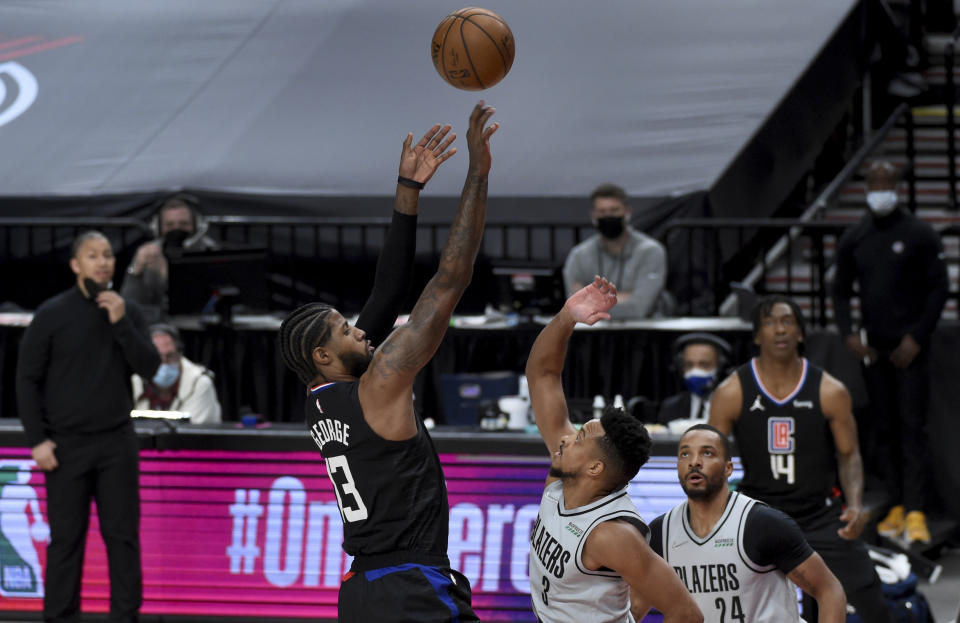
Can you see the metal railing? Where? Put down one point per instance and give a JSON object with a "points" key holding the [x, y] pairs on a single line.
{"points": [[950, 98], [806, 261], [302, 253], [533, 242], [32, 237], [820, 203]]}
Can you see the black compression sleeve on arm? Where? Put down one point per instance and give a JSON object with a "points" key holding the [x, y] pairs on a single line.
{"points": [[656, 535], [771, 537], [393, 278]]}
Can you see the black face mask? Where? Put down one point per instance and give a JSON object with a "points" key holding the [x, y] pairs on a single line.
{"points": [[610, 226]]}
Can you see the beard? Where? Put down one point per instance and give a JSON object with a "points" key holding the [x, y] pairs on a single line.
{"points": [[711, 487], [356, 363], [556, 472]]}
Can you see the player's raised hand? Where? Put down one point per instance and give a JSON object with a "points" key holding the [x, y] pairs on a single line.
{"points": [[421, 161], [591, 303], [478, 138]]}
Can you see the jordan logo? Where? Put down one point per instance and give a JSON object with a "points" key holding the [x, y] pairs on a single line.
{"points": [[803, 404], [757, 405]]}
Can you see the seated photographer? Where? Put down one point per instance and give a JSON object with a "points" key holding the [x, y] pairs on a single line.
{"points": [[177, 225], [701, 358], [179, 384]]}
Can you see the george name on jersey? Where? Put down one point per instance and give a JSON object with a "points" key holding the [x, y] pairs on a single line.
{"points": [[327, 430], [548, 550], [711, 578]]}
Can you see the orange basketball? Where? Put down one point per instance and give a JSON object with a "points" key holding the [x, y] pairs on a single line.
{"points": [[472, 49]]}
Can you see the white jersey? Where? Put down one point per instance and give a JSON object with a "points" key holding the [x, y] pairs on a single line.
{"points": [[562, 589], [726, 584]]}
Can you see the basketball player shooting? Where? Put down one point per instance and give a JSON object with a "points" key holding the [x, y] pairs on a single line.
{"points": [[735, 554], [588, 547], [379, 456]]}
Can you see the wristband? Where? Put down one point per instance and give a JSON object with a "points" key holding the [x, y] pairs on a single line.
{"points": [[409, 183]]}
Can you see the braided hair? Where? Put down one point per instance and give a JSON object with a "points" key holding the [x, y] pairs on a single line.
{"points": [[301, 332]]}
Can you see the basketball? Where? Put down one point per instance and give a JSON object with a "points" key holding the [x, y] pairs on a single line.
{"points": [[472, 49]]}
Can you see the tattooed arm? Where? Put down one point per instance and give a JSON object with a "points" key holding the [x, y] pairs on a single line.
{"points": [[386, 388]]}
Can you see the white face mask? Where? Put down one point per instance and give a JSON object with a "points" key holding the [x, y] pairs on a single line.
{"points": [[882, 202]]}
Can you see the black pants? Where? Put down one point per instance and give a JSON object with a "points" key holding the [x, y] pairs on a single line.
{"points": [[898, 402], [104, 468], [405, 593], [850, 562]]}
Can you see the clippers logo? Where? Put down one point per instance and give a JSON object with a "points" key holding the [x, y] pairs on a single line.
{"points": [[18, 85], [780, 435]]}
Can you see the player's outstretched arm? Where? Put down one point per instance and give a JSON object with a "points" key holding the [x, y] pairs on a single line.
{"points": [[394, 271], [618, 545], [815, 579], [386, 386], [726, 404], [838, 409], [545, 363]]}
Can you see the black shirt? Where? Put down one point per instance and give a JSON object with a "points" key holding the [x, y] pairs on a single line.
{"points": [[786, 446], [392, 494], [74, 367], [898, 261]]}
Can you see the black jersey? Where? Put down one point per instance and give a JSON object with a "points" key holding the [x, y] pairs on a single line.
{"points": [[392, 495], [789, 460]]}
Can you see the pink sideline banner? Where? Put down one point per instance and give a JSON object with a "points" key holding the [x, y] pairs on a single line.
{"points": [[258, 534]]}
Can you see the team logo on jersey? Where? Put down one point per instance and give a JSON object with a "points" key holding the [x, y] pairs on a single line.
{"points": [[574, 529], [802, 404], [780, 435], [757, 405]]}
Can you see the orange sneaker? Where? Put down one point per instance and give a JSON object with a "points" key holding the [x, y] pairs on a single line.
{"points": [[916, 530], [893, 524]]}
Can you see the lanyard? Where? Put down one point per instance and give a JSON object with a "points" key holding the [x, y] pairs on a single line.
{"points": [[619, 260]]}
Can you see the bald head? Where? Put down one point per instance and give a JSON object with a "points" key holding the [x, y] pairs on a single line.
{"points": [[882, 175]]}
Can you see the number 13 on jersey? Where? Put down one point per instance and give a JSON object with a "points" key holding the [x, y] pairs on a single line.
{"points": [[348, 498]]}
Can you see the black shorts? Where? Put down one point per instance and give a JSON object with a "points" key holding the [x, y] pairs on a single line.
{"points": [[405, 593], [849, 560]]}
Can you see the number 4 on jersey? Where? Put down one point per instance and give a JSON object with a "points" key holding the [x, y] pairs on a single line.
{"points": [[783, 465], [736, 610], [351, 505]]}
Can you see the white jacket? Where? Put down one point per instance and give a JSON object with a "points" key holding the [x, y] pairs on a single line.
{"points": [[196, 394]]}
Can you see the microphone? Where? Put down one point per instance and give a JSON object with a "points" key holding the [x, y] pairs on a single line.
{"points": [[93, 288]]}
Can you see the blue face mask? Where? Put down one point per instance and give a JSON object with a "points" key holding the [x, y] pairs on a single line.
{"points": [[700, 381], [167, 374]]}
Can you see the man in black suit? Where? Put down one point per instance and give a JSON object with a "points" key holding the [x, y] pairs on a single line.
{"points": [[702, 359]]}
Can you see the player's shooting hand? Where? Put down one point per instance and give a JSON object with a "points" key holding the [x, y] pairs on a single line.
{"points": [[113, 303], [591, 303], [854, 519], [43, 454], [904, 354], [421, 161], [478, 138]]}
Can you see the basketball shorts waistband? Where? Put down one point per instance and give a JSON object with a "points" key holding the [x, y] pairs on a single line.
{"points": [[365, 562]]}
